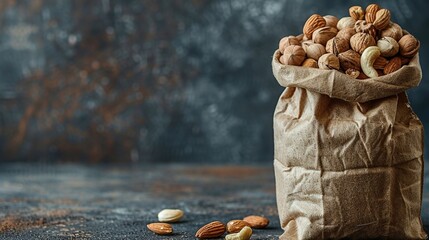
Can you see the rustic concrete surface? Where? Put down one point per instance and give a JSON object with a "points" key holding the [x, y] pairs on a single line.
{"points": [[111, 202], [78, 202]]}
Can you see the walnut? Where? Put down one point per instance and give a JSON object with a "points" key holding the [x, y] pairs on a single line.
{"points": [[360, 41], [329, 61], [286, 42], [393, 30], [388, 46], [314, 50], [408, 46], [293, 55], [337, 45], [349, 60], [346, 22], [322, 35], [363, 26], [331, 21], [346, 33]]}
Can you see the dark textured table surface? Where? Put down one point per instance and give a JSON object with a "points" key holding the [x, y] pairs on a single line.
{"points": [[111, 202], [84, 202]]}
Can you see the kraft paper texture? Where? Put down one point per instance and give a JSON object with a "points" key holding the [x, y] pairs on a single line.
{"points": [[348, 155]]}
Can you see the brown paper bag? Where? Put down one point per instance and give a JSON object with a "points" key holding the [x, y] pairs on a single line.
{"points": [[348, 155]]}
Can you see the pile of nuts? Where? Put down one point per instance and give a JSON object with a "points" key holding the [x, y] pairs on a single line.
{"points": [[237, 229], [365, 45]]}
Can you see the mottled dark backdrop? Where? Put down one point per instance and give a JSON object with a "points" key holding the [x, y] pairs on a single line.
{"points": [[154, 81]]}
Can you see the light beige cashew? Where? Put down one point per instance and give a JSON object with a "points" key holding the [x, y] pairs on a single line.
{"points": [[244, 234], [367, 60]]}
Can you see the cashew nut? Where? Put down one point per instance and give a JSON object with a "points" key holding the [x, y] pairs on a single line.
{"points": [[367, 60], [244, 234]]}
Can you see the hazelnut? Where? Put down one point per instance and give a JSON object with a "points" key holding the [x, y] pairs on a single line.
{"points": [[388, 46], [337, 45], [346, 33], [286, 42], [346, 22], [331, 21], [363, 26], [309, 62], [356, 12], [293, 55], [322, 35], [408, 46], [393, 30], [360, 41], [314, 50], [349, 59], [329, 61]]}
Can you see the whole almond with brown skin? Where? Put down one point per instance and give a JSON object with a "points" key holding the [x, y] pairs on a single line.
{"points": [[235, 226], [382, 19], [313, 23], [408, 46], [380, 63], [393, 65], [160, 228], [356, 12], [211, 230], [370, 12], [257, 221]]}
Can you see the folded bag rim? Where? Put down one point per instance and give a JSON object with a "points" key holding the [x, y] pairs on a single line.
{"points": [[338, 85]]}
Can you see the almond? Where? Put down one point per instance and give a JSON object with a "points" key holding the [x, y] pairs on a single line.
{"points": [[160, 228], [382, 19], [170, 215], [234, 226], [257, 221], [370, 12], [380, 63], [211, 230], [313, 23], [393, 65]]}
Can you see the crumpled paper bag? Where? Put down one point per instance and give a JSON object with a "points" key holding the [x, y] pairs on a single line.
{"points": [[348, 155]]}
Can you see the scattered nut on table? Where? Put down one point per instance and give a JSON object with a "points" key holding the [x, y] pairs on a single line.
{"points": [[170, 215]]}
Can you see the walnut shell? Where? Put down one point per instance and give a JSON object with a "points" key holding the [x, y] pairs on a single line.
{"points": [[322, 35], [393, 30], [349, 59], [309, 62], [314, 50], [356, 12], [337, 45], [408, 46], [360, 41], [380, 63], [363, 26], [293, 55], [329, 61], [382, 19], [346, 33], [346, 22], [286, 42], [313, 23], [331, 21], [388, 46], [393, 65]]}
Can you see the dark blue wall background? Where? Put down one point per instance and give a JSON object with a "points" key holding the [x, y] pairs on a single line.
{"points": [[155, 81]]}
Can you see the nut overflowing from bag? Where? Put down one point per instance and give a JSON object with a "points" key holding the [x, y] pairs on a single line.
{"points": [[361, 30]]}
